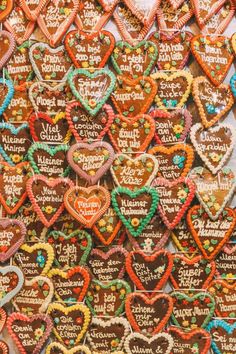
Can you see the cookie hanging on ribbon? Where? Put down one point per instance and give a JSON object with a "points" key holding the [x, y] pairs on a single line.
{"points": [[85, 127], [44, 128], [91, 16], [15, 141], [70, 249], [55, 19], [174, 51], [173, 89], [50, 64], [92, 89], [7, 46], [135, 208], [13, 181], [107, 298], [34, 260], [89, 50], [149, 272], [12, 235], [132, 97], [195, 273], [131, 135], [11, 281], [91, 161], [70, 286], [148, 316], [213, 191], [134, 60], [214, 55], [211, 109], [210, 235], [36, 329], [214, 145], [46, 196], [87, 205], [158, 342], [132, 30]]}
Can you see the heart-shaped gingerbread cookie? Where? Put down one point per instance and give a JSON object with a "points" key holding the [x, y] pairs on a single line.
{"points": [[12, 235], [224, 294], [222, 333], [58, 348], [154, 344], [11, 281], [7, 46]]}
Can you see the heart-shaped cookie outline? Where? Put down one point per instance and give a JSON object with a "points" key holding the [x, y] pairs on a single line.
{"points": [[51, 183], [189, 253], [162, 182], [229, 328], [66, 275], [30, 282], [144, 43], [196, 96], [11, 40], [198, 126], [159, 113], [107, 285], [131, 121], [14, 131], [160, 244], [50, 120], [114, 321], [149, 340], [225, 170], [139, 81], [51, 151], [4, 222], [32, 15], [63, 26], [225, 284], [190, 299], [141, 157], [13, 210], [48, 87], [40, 246], [13, 269], [136, 8], [66, 310], [196, 237], [75, 350], [4, 347], [110, 117], [92, 75], [210, 12], [149, 301], [52, 51], [9, 95], [187, 335], [124, 31], [132, 194], [224, 24], [90, 37], [215, 79], [193, 261], [92, 146], [232, 84], [16, 316], [79, 217], [68, 237], [149, 258], [106, 255], [172, 76], [3, 318], [189, 152]]}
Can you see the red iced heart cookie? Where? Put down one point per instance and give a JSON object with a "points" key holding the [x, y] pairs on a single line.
{"points": [[13, 185], [12, 235], [6, 8], [32, 9], [89, 49], [214, 55], [46, 197], [221, 19], [175, 198], [209, 235], [147, 315], [87, 205], [4, 347], [7, 46], [149, 272], [195, 273], [56, 17], [204, 11], [224, 294]]}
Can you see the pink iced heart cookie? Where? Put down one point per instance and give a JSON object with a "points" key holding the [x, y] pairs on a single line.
{"points": [[7, 46], [12, 235], [203, 11], [91, 161], [144, 11]]}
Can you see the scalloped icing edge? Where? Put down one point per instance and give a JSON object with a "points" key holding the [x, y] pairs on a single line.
{"points": [[80, 348], [149, 340]]}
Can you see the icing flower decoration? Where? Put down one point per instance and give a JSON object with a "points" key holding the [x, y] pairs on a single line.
{"points": [[179, 161], [40, 260], [210, 108], [38, 333], [170, 103]]}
